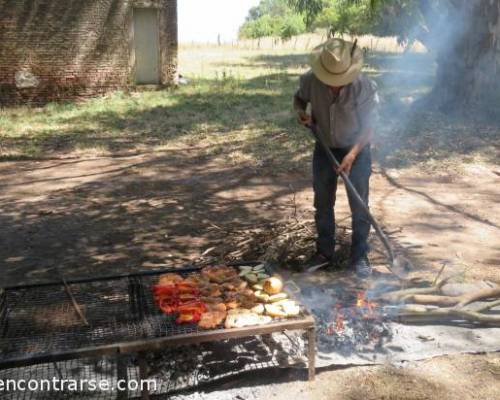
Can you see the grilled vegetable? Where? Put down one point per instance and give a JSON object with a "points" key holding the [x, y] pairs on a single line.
{"points": [[260, 267], [273, 285], [192, 307], [185, 287], [277, 297], [262, 296], [168, 306], [275, 311], [240, 317], [283, 309], [258, 309], [188, 318], [252, 278], [258, 286]]}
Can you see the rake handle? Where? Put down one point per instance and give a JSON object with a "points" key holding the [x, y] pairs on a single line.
{"points": [[352, 190]]}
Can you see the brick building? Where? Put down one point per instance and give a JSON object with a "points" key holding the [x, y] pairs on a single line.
{"points": [[63, 49]]}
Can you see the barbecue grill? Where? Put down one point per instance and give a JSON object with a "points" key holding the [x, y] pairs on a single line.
{"points": [[111, 321]]}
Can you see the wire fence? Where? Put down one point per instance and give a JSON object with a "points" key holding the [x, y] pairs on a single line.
{"points": [[308, 41]]}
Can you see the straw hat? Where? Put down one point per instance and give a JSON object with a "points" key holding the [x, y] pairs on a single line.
{"points": [[332, 63]]}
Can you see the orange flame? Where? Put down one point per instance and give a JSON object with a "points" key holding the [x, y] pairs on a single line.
{"points": [[339, 322], [361, 302]]}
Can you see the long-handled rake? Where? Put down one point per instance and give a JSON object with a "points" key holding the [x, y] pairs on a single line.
{"points": [[398, 263]]}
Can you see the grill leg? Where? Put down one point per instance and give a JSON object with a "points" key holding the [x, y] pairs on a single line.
{"points": [[311, 353], [122, 374], [143, 374]]}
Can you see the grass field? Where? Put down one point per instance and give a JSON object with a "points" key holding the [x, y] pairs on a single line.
{"points": [[238, 103]]}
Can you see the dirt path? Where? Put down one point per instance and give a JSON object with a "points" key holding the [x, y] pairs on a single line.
{"points": [[92, 216], [109, 214]]}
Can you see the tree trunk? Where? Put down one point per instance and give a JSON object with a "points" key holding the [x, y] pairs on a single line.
{"points": [[468, 61]]}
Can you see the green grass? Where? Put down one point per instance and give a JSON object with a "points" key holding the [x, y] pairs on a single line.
{"points": [[237, 104], [229, 109]]}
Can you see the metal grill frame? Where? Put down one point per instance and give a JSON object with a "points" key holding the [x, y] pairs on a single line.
{"points": [[141, 347]]}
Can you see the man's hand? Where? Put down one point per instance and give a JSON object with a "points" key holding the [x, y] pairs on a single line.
{"points": [[347, 162], [304, 118]]}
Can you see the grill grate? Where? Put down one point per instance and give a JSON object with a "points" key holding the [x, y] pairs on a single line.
{"points": [[43, 321], [79, 370], [172, 370], [42, 336]]}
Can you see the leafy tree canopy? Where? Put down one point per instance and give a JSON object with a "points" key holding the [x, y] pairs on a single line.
{"points": [[273, 18], [407, 19]]}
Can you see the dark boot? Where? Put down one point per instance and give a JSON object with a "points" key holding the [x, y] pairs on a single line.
{"points": [[316, 262], [362, 267]]}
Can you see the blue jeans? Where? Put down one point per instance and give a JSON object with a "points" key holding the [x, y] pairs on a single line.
{"points": [[325, 187]]}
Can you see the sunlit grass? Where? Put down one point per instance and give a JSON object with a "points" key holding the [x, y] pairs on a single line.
{"points": [[237, 104]]}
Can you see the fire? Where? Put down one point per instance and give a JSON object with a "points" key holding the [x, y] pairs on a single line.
{"points": [[338, 324], [361, 302]]}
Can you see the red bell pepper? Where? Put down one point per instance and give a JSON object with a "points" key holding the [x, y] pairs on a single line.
{"points": [[192, 307], [182, 298], [187, 297], [168, 306], [164, 290]]}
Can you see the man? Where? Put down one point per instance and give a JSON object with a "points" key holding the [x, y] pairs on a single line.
{"points": [[343, 105]]}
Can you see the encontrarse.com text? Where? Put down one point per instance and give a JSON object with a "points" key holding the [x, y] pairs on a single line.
{"points": [[80, 385]]}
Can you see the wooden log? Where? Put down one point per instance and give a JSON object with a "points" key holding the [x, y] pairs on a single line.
{"points": [[400, 295], [449, 301], [481, 294], [445, 301], [414, 312]]}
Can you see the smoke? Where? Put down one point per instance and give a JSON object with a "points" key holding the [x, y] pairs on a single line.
{"points": [[440, 81]]}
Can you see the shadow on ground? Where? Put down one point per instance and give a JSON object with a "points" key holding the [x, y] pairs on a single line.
{"points": [[158, 208], [136, 216]]}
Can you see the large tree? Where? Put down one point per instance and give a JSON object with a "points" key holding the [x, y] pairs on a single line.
{"points": [[272, 18], [463, 34]]}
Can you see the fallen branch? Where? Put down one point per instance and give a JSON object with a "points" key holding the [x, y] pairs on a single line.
{"points": [[448, 301], [412, 312], [429, 303], [479, 295], [445, 301], [403, 295]]}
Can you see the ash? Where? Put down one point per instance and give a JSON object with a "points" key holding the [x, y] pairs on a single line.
{"points": [[348, 330], [193, 365]]}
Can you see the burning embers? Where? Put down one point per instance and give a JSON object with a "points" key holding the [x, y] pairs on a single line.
{"points": [[362, 303], [352, 325], [338, 324]]}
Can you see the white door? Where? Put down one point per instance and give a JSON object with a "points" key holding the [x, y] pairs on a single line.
{"points": [[147, 49]]}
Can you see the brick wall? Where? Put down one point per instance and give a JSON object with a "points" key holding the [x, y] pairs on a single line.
{"points": [[75, 48]]}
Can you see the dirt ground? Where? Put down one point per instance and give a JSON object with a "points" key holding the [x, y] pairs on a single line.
{"points": [[115, 214], [444, 378], [98, 215], [135, 182]]}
